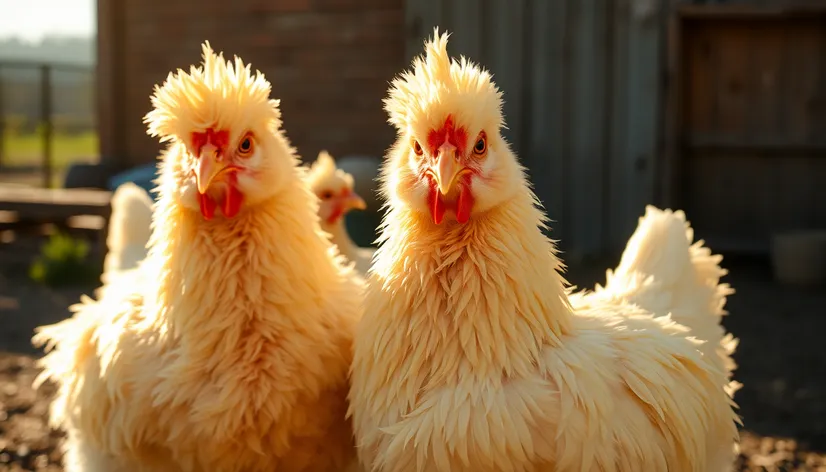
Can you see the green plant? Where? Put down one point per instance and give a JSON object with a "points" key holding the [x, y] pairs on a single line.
{"points": [[63, 260]]}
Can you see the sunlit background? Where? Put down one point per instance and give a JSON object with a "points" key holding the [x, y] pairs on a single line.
{"points": [[714, 107], [37, 20], [47, 51]]}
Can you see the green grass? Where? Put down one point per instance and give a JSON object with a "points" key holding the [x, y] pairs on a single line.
{"points": [[63, 260], [27, 149]]}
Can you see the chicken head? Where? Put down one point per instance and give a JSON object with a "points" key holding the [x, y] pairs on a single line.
{"points": [[334, 189], [450, 159], [226, 154]]}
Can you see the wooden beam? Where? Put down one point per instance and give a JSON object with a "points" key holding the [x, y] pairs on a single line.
{"points": [[54, 204], [111, 86], [746, 11], [46, 122], [767, 144], [55, 65]]}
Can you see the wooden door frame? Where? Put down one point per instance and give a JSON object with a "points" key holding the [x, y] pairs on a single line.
{"points": [[669, 173]]}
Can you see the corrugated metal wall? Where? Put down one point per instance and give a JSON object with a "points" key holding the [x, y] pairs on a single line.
{"points": [[581, 81]]}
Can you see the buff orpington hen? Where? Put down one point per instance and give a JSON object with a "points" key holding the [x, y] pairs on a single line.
{"points": [[473, 355], [335, 190], [228, 348]]}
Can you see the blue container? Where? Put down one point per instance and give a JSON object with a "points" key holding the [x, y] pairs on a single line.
{"points": [[143, 176]]}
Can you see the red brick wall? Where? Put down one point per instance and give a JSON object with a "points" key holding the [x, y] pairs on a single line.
{"points": [[329, 62]]}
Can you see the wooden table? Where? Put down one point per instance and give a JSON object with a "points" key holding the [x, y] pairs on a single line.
{"points": [[57, 206]]}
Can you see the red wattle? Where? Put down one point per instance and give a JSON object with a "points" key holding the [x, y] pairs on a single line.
{"points": [[207, 206], [338, 211], [464, 204], [437, 208], [232, 201]]}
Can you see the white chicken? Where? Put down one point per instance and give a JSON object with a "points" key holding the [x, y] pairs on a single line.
{"points": [[335, 191]]}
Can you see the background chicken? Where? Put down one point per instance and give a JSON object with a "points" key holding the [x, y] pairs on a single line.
{"points": [[129, 229], [471, 355], [334, 189], [228, 347]]}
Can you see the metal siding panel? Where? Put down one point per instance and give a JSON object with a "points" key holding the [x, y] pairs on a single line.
{"points": [[588, 112], [545, 147], [420, 17], [466, 26], [644, 84], [505, 63], [617, 166], [634, 130]]}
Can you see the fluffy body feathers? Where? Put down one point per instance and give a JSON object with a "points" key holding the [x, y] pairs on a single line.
{"points": [[664, 271], [472, 354], [228, 348]]}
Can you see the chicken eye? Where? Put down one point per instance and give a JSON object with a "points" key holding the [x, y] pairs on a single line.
{"points": [[481, 145], [326, 195], [417, 148], [245, 146]]}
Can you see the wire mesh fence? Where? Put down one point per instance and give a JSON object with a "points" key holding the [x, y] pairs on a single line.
{"points": [[47, 121]]}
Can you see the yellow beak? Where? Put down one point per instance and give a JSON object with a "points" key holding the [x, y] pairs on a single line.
{"points": [[208, 167], [447, 168], [355, 201]]}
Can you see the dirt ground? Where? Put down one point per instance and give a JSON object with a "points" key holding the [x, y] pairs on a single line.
{"points": [[782, 364]]}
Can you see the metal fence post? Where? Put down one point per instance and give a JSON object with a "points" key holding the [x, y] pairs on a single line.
{"points": [[46, 122], [2, 123]]}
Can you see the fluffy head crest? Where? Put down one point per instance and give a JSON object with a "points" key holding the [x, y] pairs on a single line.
{"points": [[439, 86], [216, 94], [324, 173], [324, 163]]}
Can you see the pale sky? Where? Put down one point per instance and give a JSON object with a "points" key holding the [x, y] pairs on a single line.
{"points": [[33, 19]]}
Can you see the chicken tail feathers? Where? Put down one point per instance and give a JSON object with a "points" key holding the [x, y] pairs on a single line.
{"points": [[665, 272], [129, 229]]}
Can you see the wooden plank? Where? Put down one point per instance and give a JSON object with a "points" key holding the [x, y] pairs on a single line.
{"points": [[763, 91], [699, 101], [803, 61], [731, 75], [765, 53], [759, 165], [39, 203], [749, 11], [588, 179], [546, 155]]}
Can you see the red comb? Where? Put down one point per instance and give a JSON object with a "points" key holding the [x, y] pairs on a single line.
{"points": [[219, 139]]}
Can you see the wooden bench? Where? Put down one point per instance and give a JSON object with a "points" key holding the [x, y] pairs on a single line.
{"points": [[59, 207]]}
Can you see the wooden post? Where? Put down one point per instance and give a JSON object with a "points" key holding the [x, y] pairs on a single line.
{"points": [[46, 121], [2, 123], [110, 88]]}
